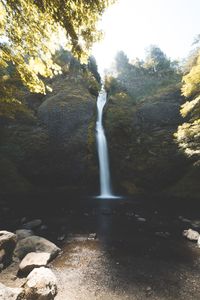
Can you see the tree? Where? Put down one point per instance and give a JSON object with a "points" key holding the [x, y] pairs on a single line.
{"points": [[31, 31], [122, 62], [188, 134], [156, 60]]}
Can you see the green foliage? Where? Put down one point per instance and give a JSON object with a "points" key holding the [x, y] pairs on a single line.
{"points": [[138, 78], [31, 32], [156, 60], [188, 134]]}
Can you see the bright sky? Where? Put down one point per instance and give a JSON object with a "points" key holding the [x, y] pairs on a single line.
{"points": [[133, 25]]}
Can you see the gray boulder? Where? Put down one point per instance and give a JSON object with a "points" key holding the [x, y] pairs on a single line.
{"points": [[41, 284], [23, 233], [7, 246], [191, 234], [32, 224], [33, 260], [35, 244], [7, 293]]}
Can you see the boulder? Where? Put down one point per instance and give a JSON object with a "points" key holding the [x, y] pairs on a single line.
{"points": [[32, 224], [7, 293], [198, 242], [35, 244], [33, 260], [41, 284], [23, 233], [7, 246], [191, 234]]}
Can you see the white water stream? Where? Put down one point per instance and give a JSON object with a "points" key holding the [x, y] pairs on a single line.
{"points": [[104, 170]]}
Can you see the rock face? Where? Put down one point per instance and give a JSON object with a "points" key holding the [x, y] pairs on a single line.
{"points": [[40, 285], [35, 244], [147, 158], [23, 233], [7, 293], [51, 148], [67, 113], [191, 234], [33, 260], [7, 245]]}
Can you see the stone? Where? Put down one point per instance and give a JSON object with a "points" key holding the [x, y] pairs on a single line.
{"points": [[141, 219], [92, 236], [191, 234], [35, 244], [7, 246], [32, 224], [34, 260], [7, 293], [23, 233], [2, 255], [198, 242], [41, 284]]}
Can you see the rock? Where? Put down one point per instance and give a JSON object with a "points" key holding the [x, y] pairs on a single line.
{"points": [[2, 255], [23, 233], [7, 293], [35, 244], [92, 236], [41, 284], [33, 260], [7, 246], [198, 242], [61, 237], [141, 219], [32, 224], [191, 234]]}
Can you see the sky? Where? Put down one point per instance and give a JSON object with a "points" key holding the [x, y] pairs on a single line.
{"points": [[133, 25]]}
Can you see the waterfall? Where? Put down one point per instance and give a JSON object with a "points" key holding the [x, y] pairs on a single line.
{"points": [[105, 180]]}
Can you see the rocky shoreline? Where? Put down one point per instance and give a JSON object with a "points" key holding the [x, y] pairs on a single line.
{"points": [[28, 257]]}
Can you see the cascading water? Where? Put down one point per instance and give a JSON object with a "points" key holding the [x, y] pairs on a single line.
{"points": [[105, 180]]}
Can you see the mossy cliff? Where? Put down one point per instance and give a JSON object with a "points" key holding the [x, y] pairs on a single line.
{"points": [[144, 154], [49, 143]]}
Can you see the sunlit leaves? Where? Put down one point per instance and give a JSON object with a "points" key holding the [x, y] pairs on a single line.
{"points": [[32, 30], [188, 134]]}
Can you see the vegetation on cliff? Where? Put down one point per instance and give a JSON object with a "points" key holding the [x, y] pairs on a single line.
{"points": [[188, 134], [31, 32]]}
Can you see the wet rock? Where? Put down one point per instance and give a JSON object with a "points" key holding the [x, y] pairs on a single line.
{"points": [[191, 234], [23, 233], [41, 284], [33, 260], [32, 224], [2, 255], [7, 246], [61, 237], [7, 293], [92, 236], [35, 244], [141, 219], [198, 242]]}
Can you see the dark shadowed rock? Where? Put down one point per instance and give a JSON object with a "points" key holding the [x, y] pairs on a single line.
{"points": [[35, 244], [23, 233], [7, 245], [32, 224]]}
